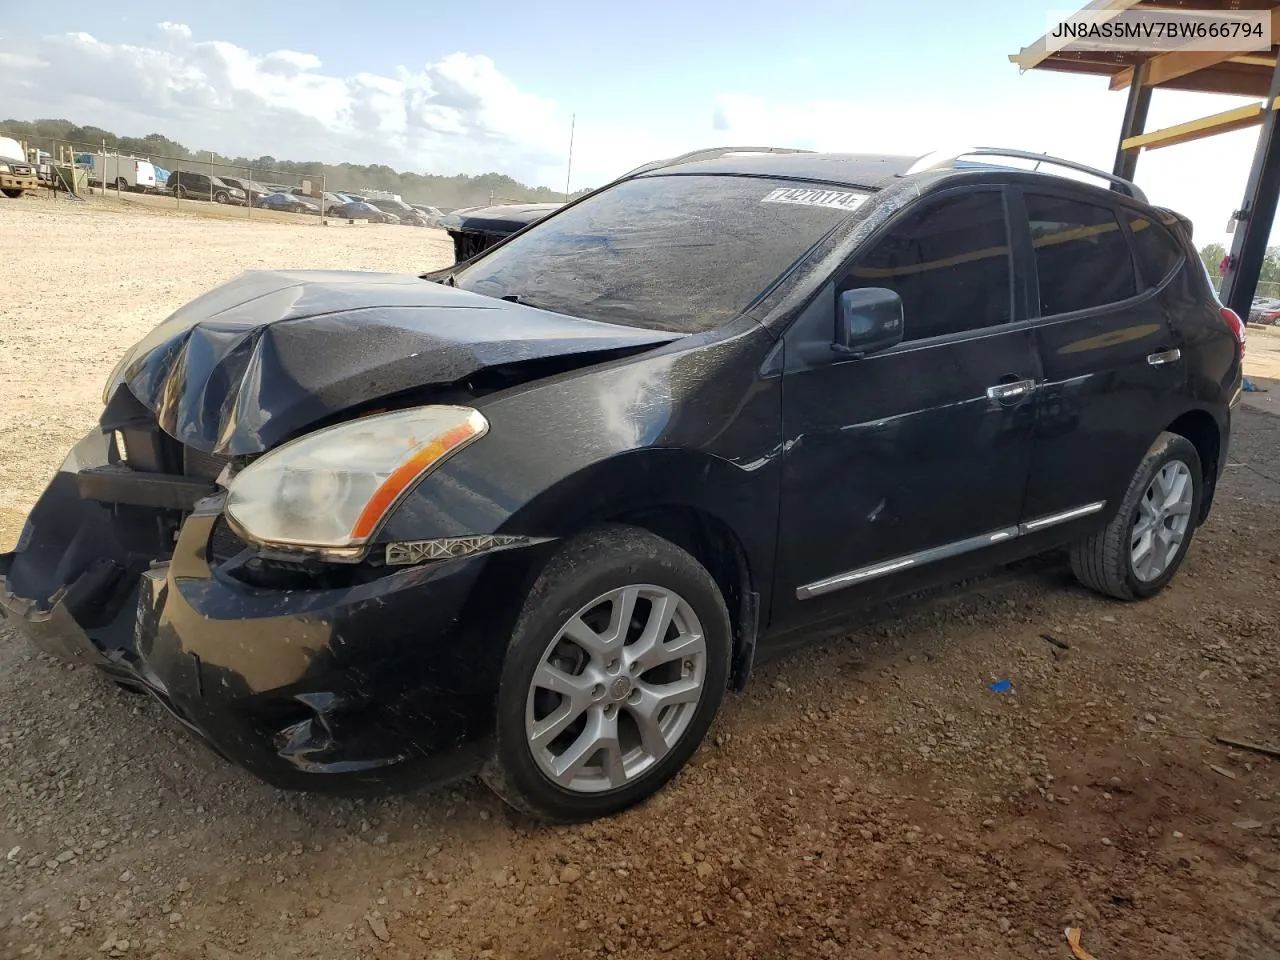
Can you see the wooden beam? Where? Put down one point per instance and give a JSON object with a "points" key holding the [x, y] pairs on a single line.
{"points": [[1030, 57], [1170, 66], [1225, 78], [1237, 119]]}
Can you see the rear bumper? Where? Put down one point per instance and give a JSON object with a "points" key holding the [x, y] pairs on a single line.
{"points": [[392, 680]]}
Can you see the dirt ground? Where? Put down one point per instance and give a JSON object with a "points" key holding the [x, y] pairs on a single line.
{"points": [[869, 796]]}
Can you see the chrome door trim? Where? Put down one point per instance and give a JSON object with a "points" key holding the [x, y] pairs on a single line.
{"points": [[1055, 518], [946, 551], [886, 567], [1164, 356]]}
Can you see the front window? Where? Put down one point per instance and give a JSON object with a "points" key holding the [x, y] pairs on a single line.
{"points": [[676, 252]]}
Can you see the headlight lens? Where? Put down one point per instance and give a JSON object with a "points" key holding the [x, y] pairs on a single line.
{"points": [[328, 492], [4, 168]]}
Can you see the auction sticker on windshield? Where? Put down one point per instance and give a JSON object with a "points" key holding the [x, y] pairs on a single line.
{"points": [[809, 197]]}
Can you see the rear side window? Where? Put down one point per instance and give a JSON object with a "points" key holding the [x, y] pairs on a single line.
{"points": [[1157, 252], [1082, 257], [949, 262]]}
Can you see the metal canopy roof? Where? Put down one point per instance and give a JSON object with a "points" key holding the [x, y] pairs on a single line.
{"points": [[1244, 74]]}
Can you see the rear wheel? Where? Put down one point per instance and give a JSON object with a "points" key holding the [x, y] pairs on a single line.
{"points": [[180, 192], [614, 672], [1140, 550], [122, 183]]}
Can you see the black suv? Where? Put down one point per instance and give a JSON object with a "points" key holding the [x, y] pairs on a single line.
{"points": [[532, 515], [201, 186]]}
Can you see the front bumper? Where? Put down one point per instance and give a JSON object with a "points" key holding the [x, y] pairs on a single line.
{"points": [[9, 181], [392, 679]]}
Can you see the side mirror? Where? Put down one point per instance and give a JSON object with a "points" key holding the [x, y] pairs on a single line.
{"points": [[867, 320]]}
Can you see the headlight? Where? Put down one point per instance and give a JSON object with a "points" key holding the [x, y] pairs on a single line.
{"points": [[329, 491], [4, 168]]}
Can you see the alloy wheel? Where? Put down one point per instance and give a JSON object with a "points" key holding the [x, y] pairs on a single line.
{"points": [[1161, 521], [616, 688]]}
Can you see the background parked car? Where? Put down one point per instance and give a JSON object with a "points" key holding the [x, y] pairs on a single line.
{"points": [[330, 199], [359, 210], [201, 186], [400, 210], [433, 214], [1265, 310], [254, 190], [289, 202], [476, 229]]}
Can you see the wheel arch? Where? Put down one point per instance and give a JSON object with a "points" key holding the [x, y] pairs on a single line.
{"points": [[715, 545], [1203, 430]]}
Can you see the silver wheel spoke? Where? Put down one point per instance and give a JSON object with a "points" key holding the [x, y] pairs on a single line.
{"points": [[600, 732], [552, 678], [624, 608], [554, 724], [656, 697], [590, 641], [1179, 509]]}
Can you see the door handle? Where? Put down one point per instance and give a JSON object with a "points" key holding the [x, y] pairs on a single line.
{"points": [[1164, 356], [1004, 392]]}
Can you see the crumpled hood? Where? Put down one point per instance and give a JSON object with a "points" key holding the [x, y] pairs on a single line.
{"points": [[258, 359]]}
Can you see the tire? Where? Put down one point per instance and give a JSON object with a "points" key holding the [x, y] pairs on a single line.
{"points": [[121, 184], [11, 193], [608, 692], [222, 197], [180, 192], [1105, 561]]}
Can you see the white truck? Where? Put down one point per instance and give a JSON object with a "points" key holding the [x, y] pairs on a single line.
{"points": [[125, 173], [16, 173]]}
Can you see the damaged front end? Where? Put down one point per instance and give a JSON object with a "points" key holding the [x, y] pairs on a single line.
{"points": [[311, 657], [291, 669]]}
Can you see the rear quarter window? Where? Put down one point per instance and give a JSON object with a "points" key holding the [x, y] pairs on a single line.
{"points": [[1082, 257], [1157, 252]]}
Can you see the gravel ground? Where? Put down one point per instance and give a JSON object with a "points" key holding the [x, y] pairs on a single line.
{"points": [[869, 796]]}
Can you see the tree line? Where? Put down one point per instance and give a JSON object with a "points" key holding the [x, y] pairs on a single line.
{"points": [[459, 190]]}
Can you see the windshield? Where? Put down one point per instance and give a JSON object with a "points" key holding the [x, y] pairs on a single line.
{"points": [[682, 253]]}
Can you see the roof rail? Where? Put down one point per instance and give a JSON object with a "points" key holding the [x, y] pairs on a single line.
{"points": [[707, 153], [934, 161]]}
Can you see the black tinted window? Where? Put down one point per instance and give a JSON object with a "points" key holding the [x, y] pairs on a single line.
{"points": [[683, 253], [949, 262], [1155, 249], [1082, 258]]}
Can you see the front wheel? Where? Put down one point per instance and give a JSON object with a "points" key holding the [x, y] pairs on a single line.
{"points": [[614, 672], [1140, 550], [222, 197], [11, 193]]}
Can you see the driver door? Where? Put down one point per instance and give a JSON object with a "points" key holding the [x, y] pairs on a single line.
{"points": [[899, 463]]}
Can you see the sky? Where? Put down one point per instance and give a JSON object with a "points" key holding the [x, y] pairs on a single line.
{"points": [[436, 88]]}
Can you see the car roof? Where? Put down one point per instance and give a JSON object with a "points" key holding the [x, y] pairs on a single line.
{"points": [[849, 169], [873, 171]]}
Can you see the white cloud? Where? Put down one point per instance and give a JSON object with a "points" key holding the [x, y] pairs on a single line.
{"points": [[460, 114]]}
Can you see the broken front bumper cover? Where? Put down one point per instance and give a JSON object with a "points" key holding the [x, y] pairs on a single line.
{"points": [[308, 689]]}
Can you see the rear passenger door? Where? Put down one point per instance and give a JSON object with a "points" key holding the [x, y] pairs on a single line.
{"points": [[1112, 372]]}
